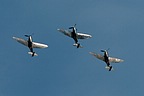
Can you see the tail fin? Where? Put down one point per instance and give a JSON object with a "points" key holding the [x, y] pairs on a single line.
{"points": [[78, 45], [33, 53], [110, 68]]}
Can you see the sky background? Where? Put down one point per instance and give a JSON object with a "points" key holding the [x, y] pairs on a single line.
{"points": [[62, 69]]}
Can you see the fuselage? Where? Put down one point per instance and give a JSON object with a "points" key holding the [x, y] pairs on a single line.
{"points": [[73, 34], [106, 57], [29, 42]]}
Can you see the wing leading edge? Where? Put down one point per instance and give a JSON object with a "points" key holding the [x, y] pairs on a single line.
{"points": [[97, 56], [115, 60], [39, 45], [22, 41], [111, 59], [83, 36], [79, 35], [34, 44], [65, 32]]}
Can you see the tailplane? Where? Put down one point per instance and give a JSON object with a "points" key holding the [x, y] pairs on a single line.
{"points": [[33, 54], [77, 45], [110, 68]]}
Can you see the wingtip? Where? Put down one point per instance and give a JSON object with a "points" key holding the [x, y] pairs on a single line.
{"points": [[121, 60], [47, 46], [90, 36], [13, 37], [91, 53], [59, 30]]}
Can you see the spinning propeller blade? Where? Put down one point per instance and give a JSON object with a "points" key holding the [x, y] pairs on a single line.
{"points": [[29, 35], [105, 50], [72, 26]]}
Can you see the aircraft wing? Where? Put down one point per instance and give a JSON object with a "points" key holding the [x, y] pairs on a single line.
{"points": [[115, 60], [97, 56], [22, 41], [83, 36], [65, 32], [39, 45]]}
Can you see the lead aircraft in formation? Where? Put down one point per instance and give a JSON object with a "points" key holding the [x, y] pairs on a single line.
{"points": [[30, 44], [107, 59], [73, 34]]}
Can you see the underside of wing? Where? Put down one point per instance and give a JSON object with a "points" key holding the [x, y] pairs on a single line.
{"points": [[97, 56], [83, 36], [39, 45], [65, 32], [22, 41], [115, 60]]}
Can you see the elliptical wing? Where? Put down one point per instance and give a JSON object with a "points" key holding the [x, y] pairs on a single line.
{"points": [[97, 56], [39, 45], [65, 32], [83, 36], [22, 41], [115, 60]]}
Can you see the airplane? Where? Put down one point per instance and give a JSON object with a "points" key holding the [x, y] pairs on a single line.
{"points": [[73, 34], [107, 59], [30, 44]]}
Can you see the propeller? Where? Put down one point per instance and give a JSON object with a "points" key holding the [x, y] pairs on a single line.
{"points": [[29, 35], [105, 50], [72, 26]]}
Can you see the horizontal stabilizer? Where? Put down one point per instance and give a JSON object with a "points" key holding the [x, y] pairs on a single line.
{"points": [[108, 67], [31, 53], [77, 45]]}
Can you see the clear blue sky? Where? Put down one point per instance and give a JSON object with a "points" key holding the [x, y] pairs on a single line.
{"points": [[62, 69]]}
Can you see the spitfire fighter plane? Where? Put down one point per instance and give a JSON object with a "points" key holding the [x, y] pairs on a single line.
{"points": [[30, 44], [73, 34], [107, 59]]}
